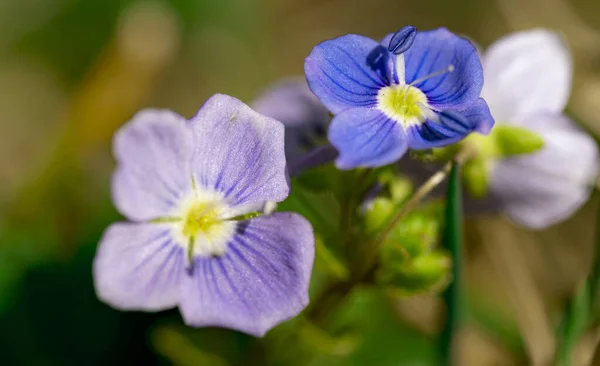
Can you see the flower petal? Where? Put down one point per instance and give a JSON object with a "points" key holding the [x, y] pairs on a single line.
{"points": [[436, 51], [239, 152], [291, 102], [261, 281], [450, 126], [547, 187], [348, 71], [318, 156], [480, 116], [153, 152], [366, 137], [138, 267], [527, 72], [304, 117]]}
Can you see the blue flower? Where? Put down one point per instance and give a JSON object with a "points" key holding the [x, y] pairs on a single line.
{"points": [[415, 90], [186, 187]]}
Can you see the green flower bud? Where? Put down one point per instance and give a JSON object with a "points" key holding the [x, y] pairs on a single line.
{"points": [[475, 177], [415, 234], [425, 273], [381, 210], [400, 189], [515, 140]]}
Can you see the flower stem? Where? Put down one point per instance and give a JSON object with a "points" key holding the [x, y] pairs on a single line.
{"points": [[334, 294], [452, 241]]}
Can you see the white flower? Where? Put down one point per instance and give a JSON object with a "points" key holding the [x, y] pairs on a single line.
{"points": [[527, 83]]}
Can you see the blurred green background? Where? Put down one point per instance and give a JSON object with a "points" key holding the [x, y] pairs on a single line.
{"points": [[73, 71]]}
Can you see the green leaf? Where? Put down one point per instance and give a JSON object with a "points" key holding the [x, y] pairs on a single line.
{"points": [[452, 241], [573, 325], [320, 208], [515, 140], [594, 278]]}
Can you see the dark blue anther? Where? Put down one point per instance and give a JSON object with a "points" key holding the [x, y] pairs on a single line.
{"points": [[402, 40], [377, 60]]}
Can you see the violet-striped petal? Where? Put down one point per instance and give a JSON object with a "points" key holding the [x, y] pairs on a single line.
{"points": [[261, 281], [348, 71], [139, 267], [239, 152], [436, 51], [366, 137], [153, 153]]}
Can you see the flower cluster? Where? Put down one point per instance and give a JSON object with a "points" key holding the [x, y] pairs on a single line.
{"points": [[199, 194]]}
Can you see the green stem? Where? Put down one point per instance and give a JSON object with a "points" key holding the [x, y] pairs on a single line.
{"points": [[452, 241], [332, 295]]}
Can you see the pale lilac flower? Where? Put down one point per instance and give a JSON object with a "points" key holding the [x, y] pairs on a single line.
{"points": [[527, 83], [184, 186]]}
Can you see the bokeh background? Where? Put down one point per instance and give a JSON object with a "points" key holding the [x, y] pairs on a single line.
{"points": [[73, 71]]}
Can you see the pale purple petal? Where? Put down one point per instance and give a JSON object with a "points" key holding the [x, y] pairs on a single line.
{"points": [[318, 156], [548, 186], [527, 72], [291, 102], [239, 152], [153, 153], [138, 267], [261, 281]]}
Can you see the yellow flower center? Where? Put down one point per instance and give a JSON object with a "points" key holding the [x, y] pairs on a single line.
{"points": [[402, 103], [202, 217]]}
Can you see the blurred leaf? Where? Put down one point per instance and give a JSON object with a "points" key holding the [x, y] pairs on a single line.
{"points": [[56, 319], [320, 208], [572, 326], [385, 340], [330, 262], [175, 346], [491, 317]]}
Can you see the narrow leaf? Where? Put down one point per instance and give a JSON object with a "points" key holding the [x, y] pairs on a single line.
{"points": [[452, 241]]}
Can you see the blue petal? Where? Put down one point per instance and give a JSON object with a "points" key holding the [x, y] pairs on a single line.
{"points": [[432, 134], [451, 126], [366, 137], [261, 281], [139, 267], [239, 152], [436, 50], [480, 116], [348, 71]]}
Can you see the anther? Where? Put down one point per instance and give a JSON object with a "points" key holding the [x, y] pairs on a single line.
{"points": [[402, 40]]}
